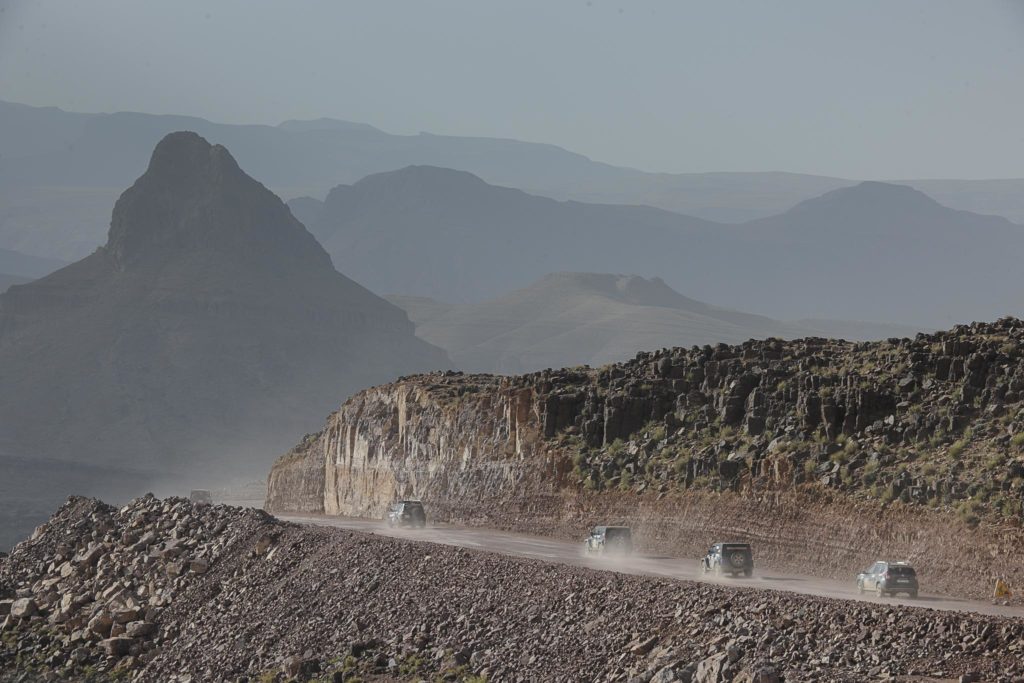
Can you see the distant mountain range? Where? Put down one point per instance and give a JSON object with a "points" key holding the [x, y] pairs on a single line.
{"points": [[17, 268], [874, 251], [27, 266], [568, 319], [7, 280], [207, 334], [60, 171]]}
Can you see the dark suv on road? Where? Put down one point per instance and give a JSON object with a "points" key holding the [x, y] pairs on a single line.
{"points": [[605, 540], [888, 578], [408, 513], [729, 558]]}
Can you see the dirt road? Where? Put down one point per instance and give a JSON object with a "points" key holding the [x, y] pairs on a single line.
{"points": [[562, 552]]}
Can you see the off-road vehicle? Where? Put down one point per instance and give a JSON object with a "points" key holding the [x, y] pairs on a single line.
{"points": [[729, 558], [605, 540], [407, 513], [201, 497], [888, 578]]}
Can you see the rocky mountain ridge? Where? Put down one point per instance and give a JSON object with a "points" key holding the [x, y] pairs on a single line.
{"points": [[905, 447]]}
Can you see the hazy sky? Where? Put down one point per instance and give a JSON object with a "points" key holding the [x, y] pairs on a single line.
{"points": [[864, 89]]}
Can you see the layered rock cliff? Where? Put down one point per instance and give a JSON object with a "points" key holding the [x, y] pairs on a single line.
{"points": [[826, 453]]}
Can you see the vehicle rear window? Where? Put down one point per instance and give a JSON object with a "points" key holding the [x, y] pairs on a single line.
{"points": [[618, 534], [902, 571], [734, 547]]}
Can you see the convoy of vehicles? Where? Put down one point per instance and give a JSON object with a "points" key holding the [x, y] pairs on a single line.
{"points": [[888, 578], [406, 513], [732, 559], [606, 540], [729, 558]]}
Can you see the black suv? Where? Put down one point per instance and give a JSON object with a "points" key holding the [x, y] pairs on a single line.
{"points": [[609, 539], [729, 558], [888, 578], [408, 513]]}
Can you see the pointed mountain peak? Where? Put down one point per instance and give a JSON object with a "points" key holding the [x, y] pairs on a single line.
{"points": [[186, 156], [194, 199]]}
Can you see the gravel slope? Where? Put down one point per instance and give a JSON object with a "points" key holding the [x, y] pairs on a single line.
{"points": [[269, 597]]}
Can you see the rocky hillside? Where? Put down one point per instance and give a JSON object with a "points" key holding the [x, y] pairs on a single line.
{"points": [[162, 590], [828, 454]]}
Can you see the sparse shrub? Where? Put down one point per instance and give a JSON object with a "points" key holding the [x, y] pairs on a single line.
{"points": [[809, 466], [967, 511], [679, 466], [1017, 440], [957, 448], [625, 479], [888, 494], [657, 432], [995, 461]]}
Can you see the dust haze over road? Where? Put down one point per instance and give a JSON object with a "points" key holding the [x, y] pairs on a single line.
{"points": [[563, 552]]}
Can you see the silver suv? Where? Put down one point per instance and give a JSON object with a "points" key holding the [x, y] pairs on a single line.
{"points": [[604, 540], [888, 578], [407, 513], [729, 558]]}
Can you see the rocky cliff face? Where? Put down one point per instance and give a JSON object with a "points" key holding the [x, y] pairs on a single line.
{"points": [[438, 436], [826, 451]]}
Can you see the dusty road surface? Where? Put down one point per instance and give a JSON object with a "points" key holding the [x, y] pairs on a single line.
{"points": [[562, 552]]}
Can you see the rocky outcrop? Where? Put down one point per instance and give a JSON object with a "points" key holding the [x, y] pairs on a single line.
{"points": [[297, 480], [86, 596], [257, 599], [836, 451]]}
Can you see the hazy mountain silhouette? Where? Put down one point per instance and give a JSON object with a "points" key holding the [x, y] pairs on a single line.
{"points": [[886, 252], [7, 280], [26, 265], [874, 251], [448, 235], [568, 319], [59, 171], [207, 335]]}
